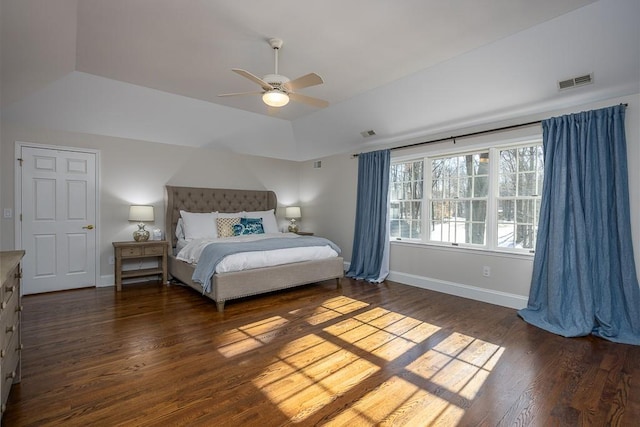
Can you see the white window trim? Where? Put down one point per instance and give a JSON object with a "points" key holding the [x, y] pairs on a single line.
{"points": [[492, 198]]}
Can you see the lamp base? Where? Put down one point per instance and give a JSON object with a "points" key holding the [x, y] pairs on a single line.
{"points": [[293, 227], [141, 235]]}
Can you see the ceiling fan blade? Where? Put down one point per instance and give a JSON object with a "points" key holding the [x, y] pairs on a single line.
{"points": [[307, 80], [241, 93], [320, 103], [248, 75]]}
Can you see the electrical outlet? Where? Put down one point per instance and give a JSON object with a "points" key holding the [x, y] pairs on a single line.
{"points": [[486, 271], [112, 260], [6, 213]]}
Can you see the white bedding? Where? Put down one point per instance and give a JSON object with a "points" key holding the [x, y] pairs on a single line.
{"points": [[191, 251]]}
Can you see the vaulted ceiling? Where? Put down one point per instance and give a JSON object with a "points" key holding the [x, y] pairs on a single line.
{"points": [[152, 70]]}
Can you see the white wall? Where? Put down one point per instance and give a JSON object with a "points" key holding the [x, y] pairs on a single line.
{"points": [[135, 172], [328, 203], [38, 45]]}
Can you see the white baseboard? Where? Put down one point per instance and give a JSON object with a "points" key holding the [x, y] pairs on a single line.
{"points": [[107, 280], [504, 299], [466, 291]]}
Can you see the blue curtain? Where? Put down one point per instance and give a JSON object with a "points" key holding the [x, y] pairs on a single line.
{"points": [[584, 277], [370, 257]]}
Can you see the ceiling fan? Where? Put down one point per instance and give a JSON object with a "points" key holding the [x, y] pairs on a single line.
{"points": [[278, 89]]}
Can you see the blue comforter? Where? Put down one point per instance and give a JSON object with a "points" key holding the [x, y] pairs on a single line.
{"points": [[213, 253]]}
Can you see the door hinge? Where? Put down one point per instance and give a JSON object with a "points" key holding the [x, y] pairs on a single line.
{"points": [[20, 160]]}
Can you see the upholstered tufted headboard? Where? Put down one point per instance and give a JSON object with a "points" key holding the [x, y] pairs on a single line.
{"points": [[194, 199]]}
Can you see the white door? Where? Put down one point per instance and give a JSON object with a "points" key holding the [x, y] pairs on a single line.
{"points": [[58, 219]]}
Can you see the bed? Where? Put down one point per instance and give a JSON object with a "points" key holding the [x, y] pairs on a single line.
{"points": [[233, 285]]}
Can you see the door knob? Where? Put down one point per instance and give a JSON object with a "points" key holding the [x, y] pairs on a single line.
{"points": [[88, 227]]}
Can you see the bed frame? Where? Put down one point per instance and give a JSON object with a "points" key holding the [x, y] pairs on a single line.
{"points": [[227, 286]]}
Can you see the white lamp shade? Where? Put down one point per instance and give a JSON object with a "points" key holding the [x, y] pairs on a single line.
{"points": [[292, 212], [140, 213], [275, 98]]}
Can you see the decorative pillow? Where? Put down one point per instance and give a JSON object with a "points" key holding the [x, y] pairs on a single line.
{"points": [[248, 226], [199, 225], [268, 220], [225, 226]]}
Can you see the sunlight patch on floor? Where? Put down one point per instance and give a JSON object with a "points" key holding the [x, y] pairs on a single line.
{"points": [[334, 308], [313, 376], [436, 384], [399, 402], [249, 337], [459, 363], [382, 333]]}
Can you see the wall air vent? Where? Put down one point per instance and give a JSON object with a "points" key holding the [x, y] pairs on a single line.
{"points": [[367, 133], [575, 81]]}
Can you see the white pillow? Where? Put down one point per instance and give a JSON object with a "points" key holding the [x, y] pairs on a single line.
{"points": [[199, 225], [269, 222], [230, 215], [180, 230]]}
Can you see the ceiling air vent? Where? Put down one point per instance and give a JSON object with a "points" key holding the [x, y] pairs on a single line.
{"points": [[367, 133], [575, 81]]}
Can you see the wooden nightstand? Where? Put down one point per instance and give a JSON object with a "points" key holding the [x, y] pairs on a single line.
{"points": [[304, 233], [148, 249]]}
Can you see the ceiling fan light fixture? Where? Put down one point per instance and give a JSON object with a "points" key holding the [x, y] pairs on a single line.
{"points": [[275, 98]]}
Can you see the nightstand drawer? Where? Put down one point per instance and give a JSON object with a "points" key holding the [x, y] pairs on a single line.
{"points": [[127, 252], [154, 250]]}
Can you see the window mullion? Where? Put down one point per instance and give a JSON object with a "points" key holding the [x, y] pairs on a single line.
{"points": [[492, 208], [427, 186]]}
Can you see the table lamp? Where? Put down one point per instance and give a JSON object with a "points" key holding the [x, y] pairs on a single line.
{"points": [[140, 214], [293, 212]]}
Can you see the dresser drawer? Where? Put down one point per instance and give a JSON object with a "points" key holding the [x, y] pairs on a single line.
{"points": [[9, 368], [11, 286], [9, 355], [10, 325], [9, 318], [154, 250], [10, 302]]}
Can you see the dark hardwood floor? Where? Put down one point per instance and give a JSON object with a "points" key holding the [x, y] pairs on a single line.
{"points": [[362, 355]]}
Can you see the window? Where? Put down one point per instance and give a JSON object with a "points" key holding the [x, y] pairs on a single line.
{"points": [[407, 185], [459, 189], [488, 198], [520, 175]]}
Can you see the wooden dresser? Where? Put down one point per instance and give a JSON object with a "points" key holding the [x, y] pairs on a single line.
{"points": [[10, 311]]}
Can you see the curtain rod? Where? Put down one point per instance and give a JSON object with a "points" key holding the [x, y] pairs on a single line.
{"points": [[467, 135]]}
